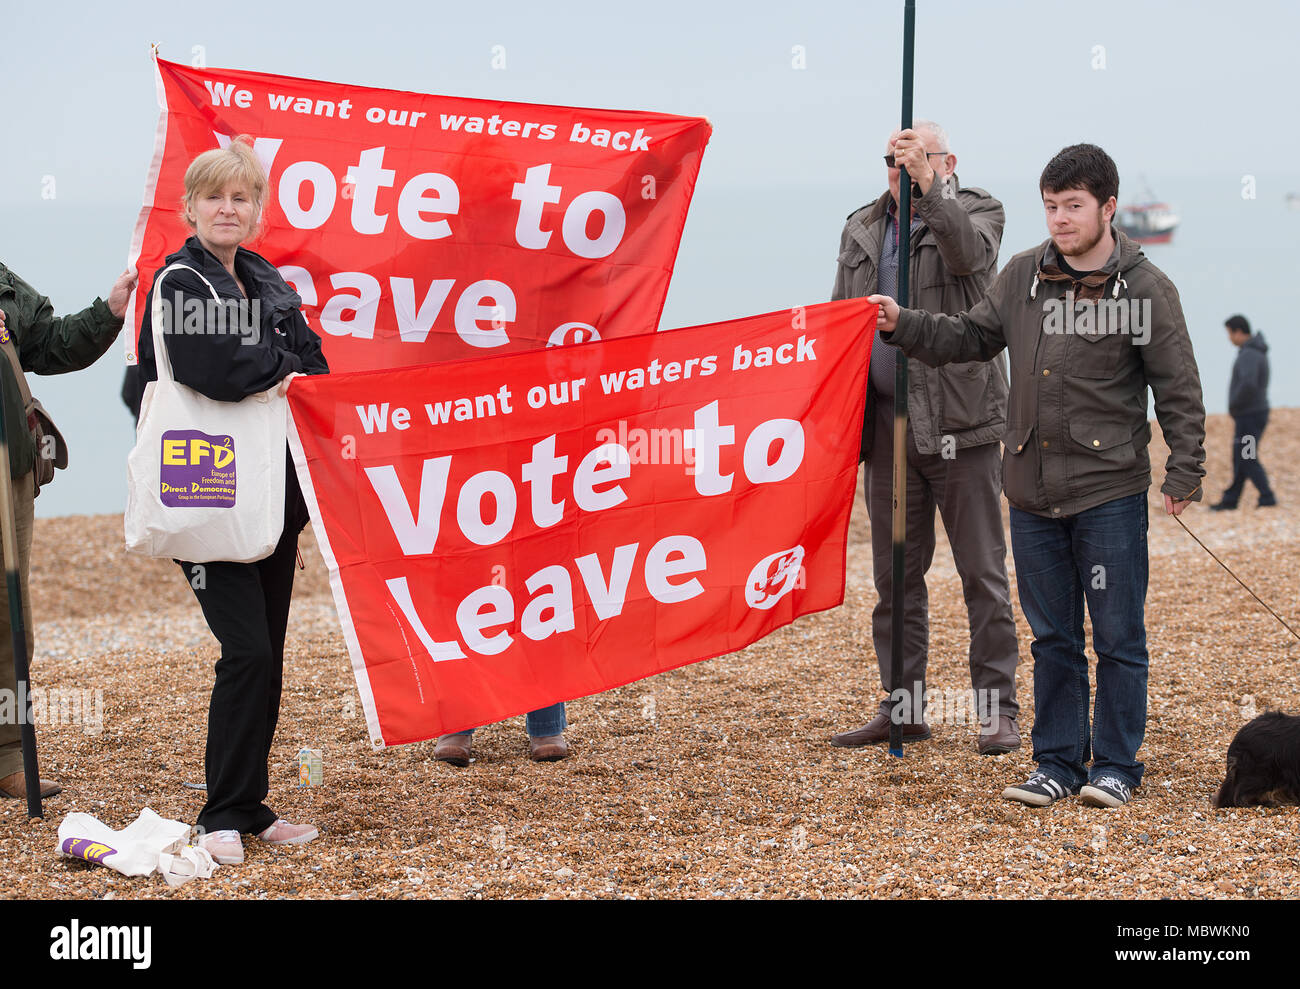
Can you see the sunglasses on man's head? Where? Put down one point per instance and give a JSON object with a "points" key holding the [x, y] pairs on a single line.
{"points": [[889, 159]]}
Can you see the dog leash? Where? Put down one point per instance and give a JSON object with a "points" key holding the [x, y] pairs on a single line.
{"points": [[1234, 576]]}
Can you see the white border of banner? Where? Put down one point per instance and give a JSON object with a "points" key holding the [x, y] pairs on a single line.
{"points": [[142, 220], [336, 586]]}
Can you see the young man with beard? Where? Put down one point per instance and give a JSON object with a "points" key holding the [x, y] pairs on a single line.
{"points": [[1075, 463]]}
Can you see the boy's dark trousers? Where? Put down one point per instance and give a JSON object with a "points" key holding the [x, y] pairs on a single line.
{"points": [[1248, 430]]}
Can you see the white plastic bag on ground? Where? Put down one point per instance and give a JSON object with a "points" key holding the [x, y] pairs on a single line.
{"points": [[147, 845], [205, 480]]}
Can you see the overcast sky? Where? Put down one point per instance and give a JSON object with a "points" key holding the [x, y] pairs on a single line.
{"points": [[1187, 87]]}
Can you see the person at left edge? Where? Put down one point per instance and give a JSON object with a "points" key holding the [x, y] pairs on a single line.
{"points": [[46, 344], [260, 337]]}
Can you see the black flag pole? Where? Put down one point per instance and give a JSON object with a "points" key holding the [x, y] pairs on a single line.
{"points": [[13, 582], [899, 596]]}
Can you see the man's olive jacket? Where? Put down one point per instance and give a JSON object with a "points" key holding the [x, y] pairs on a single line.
{"points": [[954, 257]]}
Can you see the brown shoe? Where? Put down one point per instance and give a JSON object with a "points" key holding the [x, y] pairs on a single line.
{"points": [[14, 786], [454, 749], [1005, 739], [548, 748], [876, 731]]}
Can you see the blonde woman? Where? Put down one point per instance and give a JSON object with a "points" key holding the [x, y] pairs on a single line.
{"points": [[253, 338]]}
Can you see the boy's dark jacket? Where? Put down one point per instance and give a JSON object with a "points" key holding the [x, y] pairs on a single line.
{"points": [[1248, 393]]}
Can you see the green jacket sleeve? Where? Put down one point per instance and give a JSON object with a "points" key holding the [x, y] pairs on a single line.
{"points": [[49, 344], [46, 345]]}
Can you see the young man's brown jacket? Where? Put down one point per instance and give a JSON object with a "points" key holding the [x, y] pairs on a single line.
{"points": [[954, 259], [1077, 429]]}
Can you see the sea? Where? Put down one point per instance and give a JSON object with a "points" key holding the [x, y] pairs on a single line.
{"points": [[746, 249]]}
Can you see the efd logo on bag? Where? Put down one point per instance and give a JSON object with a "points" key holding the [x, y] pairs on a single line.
{"points": [[84, 848], [198, 470]]}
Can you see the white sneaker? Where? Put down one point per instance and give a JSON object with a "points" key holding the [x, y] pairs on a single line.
{"points": [[284, 833], [225, 847], [1106, 791]]}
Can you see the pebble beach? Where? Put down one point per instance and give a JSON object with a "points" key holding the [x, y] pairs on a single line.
{"points": [[715, 780]]}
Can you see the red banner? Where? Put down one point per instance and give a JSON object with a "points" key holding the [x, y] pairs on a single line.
{"points": [[506, 533], [424, 228]]}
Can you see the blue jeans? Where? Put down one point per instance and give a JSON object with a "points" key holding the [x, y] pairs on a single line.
{"points": [[1100, 556], [546, 721]]}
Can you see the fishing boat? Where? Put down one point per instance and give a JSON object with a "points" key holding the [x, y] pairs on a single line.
{"points": [[1149, 221]]}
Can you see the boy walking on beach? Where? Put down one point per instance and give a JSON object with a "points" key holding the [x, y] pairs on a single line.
{"points": [[1089, 325], [1248, 406]]}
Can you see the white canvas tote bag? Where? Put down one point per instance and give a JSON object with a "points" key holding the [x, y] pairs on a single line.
{"points": [[147, 845], [205, 481]]}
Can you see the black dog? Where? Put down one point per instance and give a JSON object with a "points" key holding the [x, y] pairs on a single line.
{"points": [[1263, 764]]}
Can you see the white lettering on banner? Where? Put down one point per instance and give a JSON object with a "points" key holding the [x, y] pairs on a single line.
{"points": [[788, 353], [709, 437], [595, 481], [490, 300], [469, 507], [482, 609], [415, 201], [619, 140], [533, 193], [559, 602], [614, 222], [373, 417], [418, 534], [659, 568], [607, 596], [323, 193], [485, 301], [604, 465], [789, 433], [613, 382], [485, 615], [464, 409], [539, 474], [536, 191], [438, 651], [364, 306], [367, 177], [414, 324]]}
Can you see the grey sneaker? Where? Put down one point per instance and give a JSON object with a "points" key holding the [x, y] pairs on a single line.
{"points": [[1106, 791], [1037, 791]]}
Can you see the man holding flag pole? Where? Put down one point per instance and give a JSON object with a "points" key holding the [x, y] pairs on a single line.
{"points": [[956, 418], [950, 456]]}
